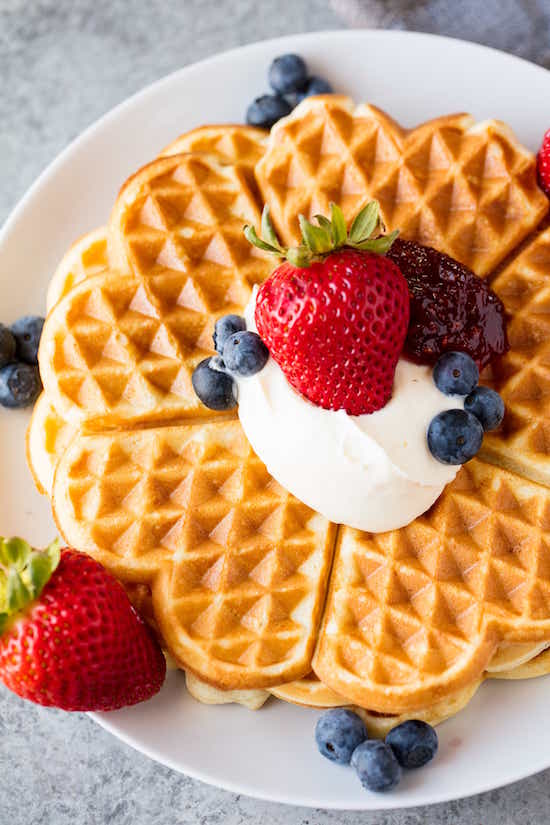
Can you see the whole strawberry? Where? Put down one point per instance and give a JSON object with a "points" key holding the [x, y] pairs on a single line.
{"points": [[335, 315], [543, 163], [69, 637]]}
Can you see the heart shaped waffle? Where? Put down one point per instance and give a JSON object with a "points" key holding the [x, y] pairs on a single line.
{"points": [[232, 144], [243, 145], [237, 569], [87, 257], [237, 566], [121, 348], [49, 433], [469, 189], [522, 377], [419, 612]]}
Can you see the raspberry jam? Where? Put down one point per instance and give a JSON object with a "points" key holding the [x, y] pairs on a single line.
{"points": [[451, 308]]}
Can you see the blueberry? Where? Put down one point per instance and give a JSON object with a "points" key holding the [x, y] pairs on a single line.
{"points": [[288, 73], [225, 327], [27, 332], [454, 436], [455, 373], [338, 733], [19, 385], [245, 353], [214, 387], [414, 743], [7, 346], [267, 110], [315, 86], [487, 406], [376, 765]]}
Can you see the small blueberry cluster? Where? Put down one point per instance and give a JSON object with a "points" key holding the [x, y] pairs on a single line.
{"points": [[20, 383], [342, 737], [239, 353], [291, 82], [455, 436]]}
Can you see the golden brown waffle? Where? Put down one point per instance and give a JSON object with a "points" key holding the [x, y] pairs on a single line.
{"points": [[508, 659], [237, 566], [416, 614], [48, 435], [87, 257], [309, 691], [522, 377], [230, 567], [530, 669], [380, 724], [232, 144], [243, 145], [467, 189], [208, 695], [122, 349], [524, 663]]}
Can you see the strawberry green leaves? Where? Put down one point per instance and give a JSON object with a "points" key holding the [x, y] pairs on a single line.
{"points": [[299, 256], [14, 552], [269, 241], [268, 233], [17, 594], [338, 224], [379, 245], [23, 574], [318, 239], [326, 236], [364, 223], [41, 566]]}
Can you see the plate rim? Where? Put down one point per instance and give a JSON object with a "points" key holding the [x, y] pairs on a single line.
{"points": [[379, 802], [89, 132]]}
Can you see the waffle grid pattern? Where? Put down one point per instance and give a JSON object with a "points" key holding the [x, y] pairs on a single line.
{"points": [[420, 608], [467, 189], [232, 144], [522, 377], [124, 347], [236, 567]]}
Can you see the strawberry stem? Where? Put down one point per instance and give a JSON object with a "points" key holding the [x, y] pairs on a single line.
{"points": [[328, 235]]}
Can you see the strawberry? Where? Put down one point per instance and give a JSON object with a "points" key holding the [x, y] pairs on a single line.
{"points": [[335, 315], [69, 636], [543, 161]]}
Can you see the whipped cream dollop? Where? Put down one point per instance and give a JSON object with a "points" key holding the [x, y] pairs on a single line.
{"points": [[372, 472]]}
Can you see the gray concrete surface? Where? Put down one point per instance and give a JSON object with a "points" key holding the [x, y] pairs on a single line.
{"points": [[62, 64]]}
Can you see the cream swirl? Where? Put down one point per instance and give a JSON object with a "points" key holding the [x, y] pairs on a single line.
{"points": [[372, 472]]}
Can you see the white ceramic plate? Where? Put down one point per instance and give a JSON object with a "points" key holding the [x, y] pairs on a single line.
{"points": [[504, 734]]}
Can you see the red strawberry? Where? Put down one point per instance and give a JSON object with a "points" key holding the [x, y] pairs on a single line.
{"points": [[335, 315], [69, 636], [543, 159]]}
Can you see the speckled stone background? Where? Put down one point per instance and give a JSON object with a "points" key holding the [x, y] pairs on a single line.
{"points": [[62, 64]]}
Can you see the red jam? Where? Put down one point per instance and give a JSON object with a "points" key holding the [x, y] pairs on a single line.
{"points": [[451, 308]]}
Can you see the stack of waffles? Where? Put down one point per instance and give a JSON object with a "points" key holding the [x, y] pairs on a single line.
{"points": [[250, 591]]}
